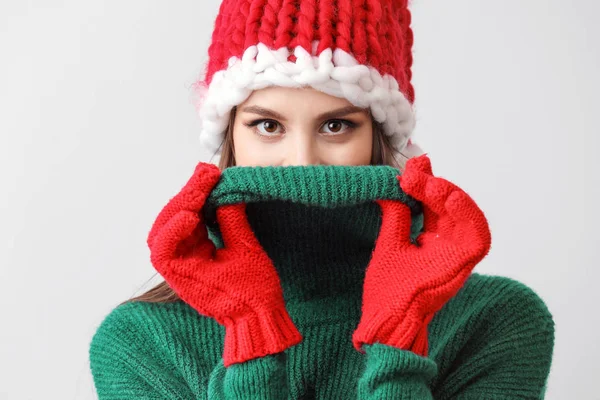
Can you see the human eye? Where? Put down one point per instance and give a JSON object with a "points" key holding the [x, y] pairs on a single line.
{"points": [[338, 126], [265, 127]]}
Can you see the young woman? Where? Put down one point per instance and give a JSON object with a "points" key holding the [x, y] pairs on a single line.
{"points": [[321, 259]]}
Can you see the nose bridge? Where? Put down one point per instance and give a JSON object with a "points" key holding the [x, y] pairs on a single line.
{"points": [[303, 149]]}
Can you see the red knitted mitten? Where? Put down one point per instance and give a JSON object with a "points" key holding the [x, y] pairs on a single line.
{"points": [[405, 284], [237, 285]]}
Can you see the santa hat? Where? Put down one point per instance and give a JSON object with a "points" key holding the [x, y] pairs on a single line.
{"points": [[360, 50]]}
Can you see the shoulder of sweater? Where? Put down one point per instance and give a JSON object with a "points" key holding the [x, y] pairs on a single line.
{"points": [[153, 350], [145, 327], [499, 305], [501, 291]]}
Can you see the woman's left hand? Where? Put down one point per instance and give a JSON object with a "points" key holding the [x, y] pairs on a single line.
{"points": [[406, 283]]}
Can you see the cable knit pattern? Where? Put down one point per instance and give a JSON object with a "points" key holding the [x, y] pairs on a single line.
{"points": [[493, 340], [359, 50]]}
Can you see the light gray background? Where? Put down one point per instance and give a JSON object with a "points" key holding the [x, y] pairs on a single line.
{"points": [[97, 132]]}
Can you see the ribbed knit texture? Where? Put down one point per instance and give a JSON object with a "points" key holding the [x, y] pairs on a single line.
{"points": [[312, 185], [493, 340]]}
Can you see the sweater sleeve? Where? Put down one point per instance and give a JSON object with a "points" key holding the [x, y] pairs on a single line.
{"points": [[124, 364], [500, 349], [134, 357], [392, 373]]}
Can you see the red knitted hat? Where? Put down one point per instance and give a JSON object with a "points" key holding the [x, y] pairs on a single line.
{"points": [[360, 50]]}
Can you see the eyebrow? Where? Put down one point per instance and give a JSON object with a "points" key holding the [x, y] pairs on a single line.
{"points": [[340, 112]]}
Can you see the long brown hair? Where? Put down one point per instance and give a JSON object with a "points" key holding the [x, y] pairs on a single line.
{"points": [[382, 154]]}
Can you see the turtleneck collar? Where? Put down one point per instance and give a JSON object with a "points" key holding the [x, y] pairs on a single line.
{"points": [[318, 224]]}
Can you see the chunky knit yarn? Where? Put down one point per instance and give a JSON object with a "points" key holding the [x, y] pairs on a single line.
{"points": [[357, 50], [376, 33], [492, 340]]}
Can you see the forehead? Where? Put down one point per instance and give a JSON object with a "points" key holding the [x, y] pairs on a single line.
{"points": [[278, 96]]}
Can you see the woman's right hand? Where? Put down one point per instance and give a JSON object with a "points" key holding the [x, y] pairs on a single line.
{"points": [[237, 285]]}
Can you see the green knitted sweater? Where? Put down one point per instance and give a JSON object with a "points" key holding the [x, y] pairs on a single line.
{"points": [[493, 340]]}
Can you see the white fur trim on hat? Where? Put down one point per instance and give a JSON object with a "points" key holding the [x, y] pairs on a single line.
{"points": [[336, 73]]}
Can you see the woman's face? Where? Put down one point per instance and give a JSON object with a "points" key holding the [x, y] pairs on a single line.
{"points": [[300, 126]]}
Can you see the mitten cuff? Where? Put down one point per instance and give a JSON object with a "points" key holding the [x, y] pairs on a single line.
{"points": [[259, 334]]}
